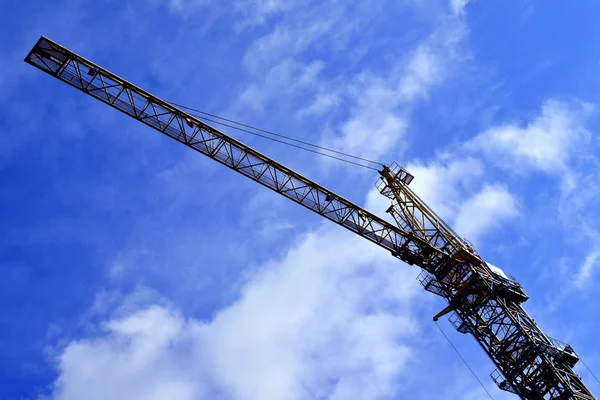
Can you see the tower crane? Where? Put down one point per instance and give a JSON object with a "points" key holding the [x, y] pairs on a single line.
{"points": [[482, 301]]}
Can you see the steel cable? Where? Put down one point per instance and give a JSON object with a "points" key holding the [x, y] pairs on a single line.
{"points": [[203, 116]]}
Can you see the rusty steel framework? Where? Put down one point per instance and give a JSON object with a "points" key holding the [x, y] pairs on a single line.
{"points": [[481, 302]]}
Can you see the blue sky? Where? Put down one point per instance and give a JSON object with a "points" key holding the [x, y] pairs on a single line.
{"points": [[134, 268]]}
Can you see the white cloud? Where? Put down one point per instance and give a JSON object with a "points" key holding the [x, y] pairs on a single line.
{"points": [[442, 184], [257, 11], [576, 212], [379, 101], [288, 39], [143, 356], [250, 12], [452, 188], [455, 189], [272, 228], [485, 211], [186, 7], [323, 103], [332, 319], [458, 6], [370, 133], [286, 78], [590, 263], [304, 35], [381, 104], [318, 323], [556, 141], [548, 143], [425, 68]]}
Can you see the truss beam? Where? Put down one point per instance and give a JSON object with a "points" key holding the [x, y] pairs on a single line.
{"points": [[486, 306]]}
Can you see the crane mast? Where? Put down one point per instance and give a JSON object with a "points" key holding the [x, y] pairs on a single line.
{"points": [[481, 301]]}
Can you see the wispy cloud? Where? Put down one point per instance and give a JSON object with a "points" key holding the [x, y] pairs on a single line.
{"points": [[184, 7], [287, 71], [586, 269], [257, 11], [302, 37], [576, 212], [323, 102], [381, 104], [458, 6], [286, 78]]}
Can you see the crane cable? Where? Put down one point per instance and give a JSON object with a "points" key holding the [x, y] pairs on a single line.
{"points": [[464, 361], [589, 370], [283, 142], [203, 116]]}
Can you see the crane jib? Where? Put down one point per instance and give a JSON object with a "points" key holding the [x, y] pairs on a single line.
{"points": [[484, 303]]}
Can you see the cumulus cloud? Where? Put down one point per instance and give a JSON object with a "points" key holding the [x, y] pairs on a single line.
{"points": [[371, 133], [143, 356], [456, 190], [332, 319], [547, 143], [556, 141], [485, 210], [442, 184], [453, 188]]}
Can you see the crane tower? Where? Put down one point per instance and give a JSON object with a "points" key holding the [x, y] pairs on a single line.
{"points": [[482, 300]]}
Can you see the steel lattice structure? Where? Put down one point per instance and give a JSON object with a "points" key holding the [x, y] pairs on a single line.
{"points": [[482, 302]]}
